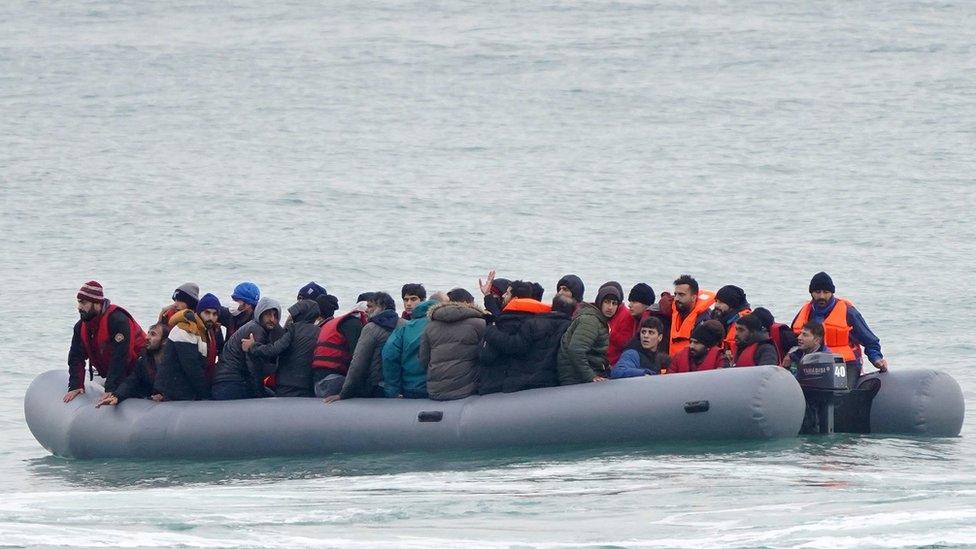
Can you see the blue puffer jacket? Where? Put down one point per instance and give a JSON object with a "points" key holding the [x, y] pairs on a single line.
{"points": [[402, 372]]}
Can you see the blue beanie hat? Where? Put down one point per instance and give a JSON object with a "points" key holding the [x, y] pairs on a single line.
{"points": [[311, 291], [208, 301], [248, 292]]}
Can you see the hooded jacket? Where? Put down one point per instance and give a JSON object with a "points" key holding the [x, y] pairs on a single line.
{"points": [[293, 351], [365, 376], [449, 349], [526, 356], [402, 373], [237, 366], [583, 350]]}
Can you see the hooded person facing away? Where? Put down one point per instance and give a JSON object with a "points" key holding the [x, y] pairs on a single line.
{"points": [[293, 350], [449, 348], [365, 376], [239, 374]]}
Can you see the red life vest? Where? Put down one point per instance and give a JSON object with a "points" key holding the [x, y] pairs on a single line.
{"points": [[776, 336], [211, 353], [97, 341], [332, 350], [621, 326], [681, 327], [681, 362], [837, 333], [748, 356]]}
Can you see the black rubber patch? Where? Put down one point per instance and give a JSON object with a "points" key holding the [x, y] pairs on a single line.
{"points": [[696, 406], [430, 417]]}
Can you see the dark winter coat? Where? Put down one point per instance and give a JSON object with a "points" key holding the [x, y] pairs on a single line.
{"points": [[528, 355], [449, 349], [139, 383], [495, 359], [637, 361], [583, 349], [293, 351], [237, 366], [182, 375], [365, 376]]}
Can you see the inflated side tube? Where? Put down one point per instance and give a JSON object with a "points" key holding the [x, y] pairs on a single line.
{"points": [[916, 402], [741, 403]]}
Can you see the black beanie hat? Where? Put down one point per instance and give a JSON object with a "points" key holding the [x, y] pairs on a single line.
{"points": [[181, 295], [500, 285], [575, 285], [821, 281], [641, 293], [708, 333], [765, 317], [751, 322], [327, 305], [733, 296]]}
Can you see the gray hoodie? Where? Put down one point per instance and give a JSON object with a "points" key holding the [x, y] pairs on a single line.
{"points": [[235, 365]]}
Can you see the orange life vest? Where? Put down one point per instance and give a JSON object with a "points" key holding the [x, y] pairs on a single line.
{"points": [[527, 305], [837, 333], [681, 328], [332, 350]]}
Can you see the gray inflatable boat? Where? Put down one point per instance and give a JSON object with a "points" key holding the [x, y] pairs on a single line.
{"points": [[759, 403]]}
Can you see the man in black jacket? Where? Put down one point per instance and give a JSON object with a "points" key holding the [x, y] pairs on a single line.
{"points": [[182, 374], [139, 383], [293, 350], [240, 375]]}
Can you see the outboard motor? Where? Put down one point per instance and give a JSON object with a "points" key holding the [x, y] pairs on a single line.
{"points": [[824, 379]]}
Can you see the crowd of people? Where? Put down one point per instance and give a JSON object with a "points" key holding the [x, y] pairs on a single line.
{"points": [[444, 346]]}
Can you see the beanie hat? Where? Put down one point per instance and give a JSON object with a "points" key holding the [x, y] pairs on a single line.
{"points": [[606, 291], [327, 305], [248, 292], [765, 317], [208, 301], [615, 284], [500, 285], [751, 322], [365, 296], [575, 285], [733, 296], [91, 291], [821, 281], [708, 333], [311, 291], [188, 293], [641, 293]]}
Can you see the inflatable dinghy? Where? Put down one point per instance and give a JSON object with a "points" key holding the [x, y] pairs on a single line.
{"points": [[759, 403]]}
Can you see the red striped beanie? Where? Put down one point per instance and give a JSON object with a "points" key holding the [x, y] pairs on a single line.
{"points": [[91, 291]]}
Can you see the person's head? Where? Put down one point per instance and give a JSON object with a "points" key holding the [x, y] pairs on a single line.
{"points": [[310, 291], [821, 289], [685, 293], [270, 318], [460, 295], [705, 336], [641, 297], [729, 298], [378, 302], [571, 286], [811, 336], [245, 297], [328, 304], [608, 299], [412, 294], [156, 336], [651, 333], [91, 300], [747, 329], [538, 291], [564, 304], [518, 289], [765, 317], [499, 286], [208, 308], [186, 296]]}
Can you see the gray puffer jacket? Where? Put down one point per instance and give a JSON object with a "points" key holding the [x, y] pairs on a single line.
{"points": [[449, 350]]}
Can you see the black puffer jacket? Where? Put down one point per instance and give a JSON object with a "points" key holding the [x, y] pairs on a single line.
{"points": [[529, 354], [182, 373], [293, 351], [498, 357], [236, 365], [449, 350]]}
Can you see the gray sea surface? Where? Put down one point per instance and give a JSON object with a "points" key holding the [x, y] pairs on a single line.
{"points": [[367, 144]]}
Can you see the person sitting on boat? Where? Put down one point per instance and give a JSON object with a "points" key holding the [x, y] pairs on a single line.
{"points": [[412, 294], [106, 337], [333, 351], [810, 340], [642, 356], [182, 374], [139, 383], [365, 376], [241, 310], [730, 305], [496, 295], [292, 351], [504, 345], [703, 351], [239, 374], [403, 377], [571, 286], [780, 335], [583, 350], [328, 305], [845, 331], [310, 291], [620, 326], [690, 307], [184, 297], [640, 301], [752, 344], [449, 349]]}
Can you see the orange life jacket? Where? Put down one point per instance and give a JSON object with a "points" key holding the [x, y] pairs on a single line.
{"points": [[97, 341], [526, 305], [681, 328], [837, 333], [332, 350]]}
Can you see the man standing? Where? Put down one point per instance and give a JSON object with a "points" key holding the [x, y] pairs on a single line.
{"points": [[689, 309], [107, 337], [845, 330]]}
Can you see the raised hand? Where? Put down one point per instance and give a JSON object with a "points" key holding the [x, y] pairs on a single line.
{"points": [[486, 284]]}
